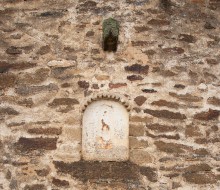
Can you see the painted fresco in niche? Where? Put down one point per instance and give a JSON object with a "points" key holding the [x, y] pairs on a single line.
{"points": [[105, 131]]}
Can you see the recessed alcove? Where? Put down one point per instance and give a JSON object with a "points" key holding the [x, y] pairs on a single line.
{"points": [[105, 130]]}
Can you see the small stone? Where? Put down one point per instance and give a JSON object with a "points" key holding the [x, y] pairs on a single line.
{"points": [[90, 33], [136, 130], [137, 68], [172, 148], [180, 86], [198, 168], [32, 90], [35, 187], [83, 84], [161, 128], [44, 50], [157, 22], [186, 97], [4, 66], [45, 131], [134, 77], [30, 144], [102, 77], [8, 111], [149, 91], [60, 183], [209, 26], [7, 80], [174, 50], [117, 85], [140, 29], [207, 115], [150, 173], [214, 101], [139, 100], [95, 86], [14, 50], [140, 157], [63, 101], [197, 178], [134, 143], [164, 103], [187, 38], [60, 63], [165, 114], [212, 61], [42, 172], [192, 131]]}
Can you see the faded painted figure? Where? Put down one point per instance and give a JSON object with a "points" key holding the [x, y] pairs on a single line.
{"points": [[105, 131]]}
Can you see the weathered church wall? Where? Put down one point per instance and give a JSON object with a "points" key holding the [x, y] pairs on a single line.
{"points": [[166, 70]]}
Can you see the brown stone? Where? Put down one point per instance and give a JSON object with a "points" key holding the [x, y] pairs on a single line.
{"points": [[139, 43], [38, 76], [83, 84], [214, 101], [212, 61], [137, 68], [140, 157], [165, 114], [102, 77], [167, 73], [164, 103], [44, 50], [60, 183], [161, 128], [35, 187], [201, 152], [187, 38], [42, 172], [4, 66], [27, 102], [87, 6], [134, 77], [139, 119], [134, 143], [14, 50], [186, 97], [157, 22], [90, 33], [180, 86], [139, 100], [205, 140], [117, 85], [136, 130], [140, 29], [198, 178], [172, 148], [150, 173], [8, 111], [207, 115], [198, 168], [174, 50], [45, 131], [7, 80], [30, 144], [22, 65], [149, 91], [24, 90], [175, 137], [87, 171], [63, 101], [192, 131]]}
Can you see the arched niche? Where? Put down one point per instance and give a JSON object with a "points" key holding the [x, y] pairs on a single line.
{"points": [[105, 130]]}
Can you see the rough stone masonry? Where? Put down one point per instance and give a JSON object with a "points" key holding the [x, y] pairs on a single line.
{"points": [[167, 66]]}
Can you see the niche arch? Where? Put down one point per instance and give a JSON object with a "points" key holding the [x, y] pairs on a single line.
{"points": [[105, 129]]}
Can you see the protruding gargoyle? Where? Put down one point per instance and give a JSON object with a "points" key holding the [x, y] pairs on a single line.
{"points": [[110, 29]]}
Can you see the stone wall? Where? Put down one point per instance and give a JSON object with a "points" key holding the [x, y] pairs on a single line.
{"points": [[166, 67]]}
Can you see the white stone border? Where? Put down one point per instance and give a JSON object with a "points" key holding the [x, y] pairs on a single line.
{"points": [[108, 96]]}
